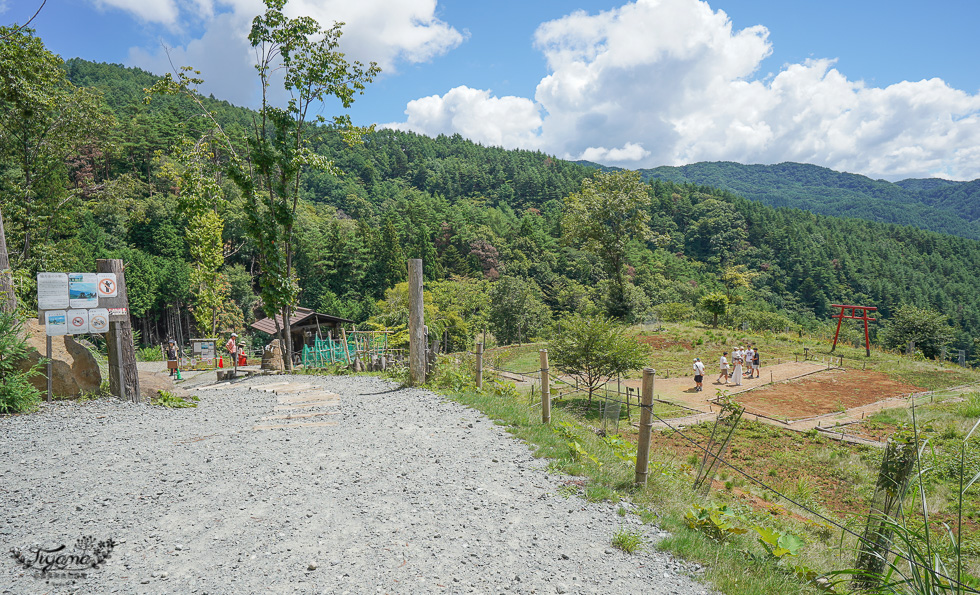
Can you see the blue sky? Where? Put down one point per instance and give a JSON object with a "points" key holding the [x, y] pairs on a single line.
{"points": [[886, 89]]}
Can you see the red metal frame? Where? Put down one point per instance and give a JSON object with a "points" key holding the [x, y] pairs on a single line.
{"points": [[864, 316]]}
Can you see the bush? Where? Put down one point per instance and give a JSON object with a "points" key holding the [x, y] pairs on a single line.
{"points": [[17, 394]]}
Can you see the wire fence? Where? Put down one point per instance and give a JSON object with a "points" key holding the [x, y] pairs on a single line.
{"points": [[617, 393]]}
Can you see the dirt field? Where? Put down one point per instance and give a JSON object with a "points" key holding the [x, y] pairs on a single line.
{"points": [[824, 392]]}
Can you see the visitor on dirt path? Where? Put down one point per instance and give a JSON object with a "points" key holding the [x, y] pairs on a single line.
{"points": [[723, 364], [172, 357], [698, 374], [737, 373], [756, 363], [232, 348]]}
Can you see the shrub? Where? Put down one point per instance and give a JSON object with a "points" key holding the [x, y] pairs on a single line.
{"points": [[17, 394]]}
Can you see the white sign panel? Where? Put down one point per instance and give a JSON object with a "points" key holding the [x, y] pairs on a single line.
{"points": [[52, 291], [107, 285], [82, 290], [98, 320], [56, 322], [77, 322]]}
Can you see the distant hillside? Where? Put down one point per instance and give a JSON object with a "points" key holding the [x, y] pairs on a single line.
{"points": [[932, 204]]}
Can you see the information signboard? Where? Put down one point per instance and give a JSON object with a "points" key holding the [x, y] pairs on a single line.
{"points": [[83, 290], [56, 322], [107, 285], [52, 291]]}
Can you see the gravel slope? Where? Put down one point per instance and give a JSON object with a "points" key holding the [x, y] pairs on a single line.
{"points": [[409, 493]]}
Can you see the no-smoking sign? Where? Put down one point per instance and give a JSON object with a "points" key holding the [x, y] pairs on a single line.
{"points": [[107, 285]]}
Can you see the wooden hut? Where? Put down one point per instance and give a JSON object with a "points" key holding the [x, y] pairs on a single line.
{"points": [[305, 324]]}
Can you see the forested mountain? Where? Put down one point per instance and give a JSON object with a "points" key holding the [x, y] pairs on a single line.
{"points": [[492, 227], [933, 204]]}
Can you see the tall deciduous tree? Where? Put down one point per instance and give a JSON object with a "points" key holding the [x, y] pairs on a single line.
{"points": [[312, 69], [608, 212]]}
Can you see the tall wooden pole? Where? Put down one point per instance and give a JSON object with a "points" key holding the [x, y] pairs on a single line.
{"points": [[8, 299], [124, 379], [545, 388], [646, 426], [48, 355], [479, 366], [416, 323]]}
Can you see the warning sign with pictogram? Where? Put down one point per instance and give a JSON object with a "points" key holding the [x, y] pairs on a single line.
{"points": [[98, 320], [77, 322], [107, 285]]}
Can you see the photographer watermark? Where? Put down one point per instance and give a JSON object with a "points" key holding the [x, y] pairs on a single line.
{"points": [[63, 563]]}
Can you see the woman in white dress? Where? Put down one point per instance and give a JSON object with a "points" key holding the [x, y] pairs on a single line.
{"points": [[737, 373]]}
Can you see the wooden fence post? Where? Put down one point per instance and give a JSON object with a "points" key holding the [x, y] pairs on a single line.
{"points": [[646, 426], [48, 355], [545, 388], [479, 366], [416, 323]]}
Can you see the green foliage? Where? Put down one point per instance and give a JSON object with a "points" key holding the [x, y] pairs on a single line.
{"points": [[778, 545], [717, 522], [628, 540], [609, 211], [929, 329], [594, 349], [516, 312], [715, 304], [17, 394], [168, 399]]}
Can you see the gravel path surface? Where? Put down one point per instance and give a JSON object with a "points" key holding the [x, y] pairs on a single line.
{"points": [[407, 493]]}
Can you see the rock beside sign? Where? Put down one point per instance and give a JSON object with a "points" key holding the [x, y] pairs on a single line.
{"points": [[74, 369], [272, 357]]}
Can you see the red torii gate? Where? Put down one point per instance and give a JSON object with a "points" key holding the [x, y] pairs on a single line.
{"points": [[864, 316]]}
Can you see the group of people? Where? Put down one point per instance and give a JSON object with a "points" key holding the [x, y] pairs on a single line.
{"points": [[745, 361]]}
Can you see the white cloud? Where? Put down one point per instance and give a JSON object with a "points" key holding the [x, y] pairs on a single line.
{"points": [[164, 12], [671, 82], [376, 30], [473, 113]]}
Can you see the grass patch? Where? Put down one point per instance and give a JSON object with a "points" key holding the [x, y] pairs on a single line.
{"points": [[628, 540]]}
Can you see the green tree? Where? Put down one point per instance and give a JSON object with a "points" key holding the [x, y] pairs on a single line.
{"points": [[201, 198], [610, 210], [593, 349], [716, 304], [44, 122], [929, 329], [517, 312], [311, 67]]}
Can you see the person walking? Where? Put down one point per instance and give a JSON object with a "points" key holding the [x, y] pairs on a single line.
{"points": [[737, 372], [698, 374], [723, 364], [232, 347], [756, 363]]}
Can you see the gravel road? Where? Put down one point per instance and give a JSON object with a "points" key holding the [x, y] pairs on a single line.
{"points": [[407, 493]]}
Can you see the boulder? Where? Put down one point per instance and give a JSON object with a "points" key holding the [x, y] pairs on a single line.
{"points": [[74, 369], [272, 357]]}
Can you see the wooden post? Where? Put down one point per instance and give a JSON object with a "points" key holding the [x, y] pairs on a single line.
{"points": [[416, 323], [124, 379], [646, 427], [545, 389], [48, 355], [343, 337], [479, 366]]}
